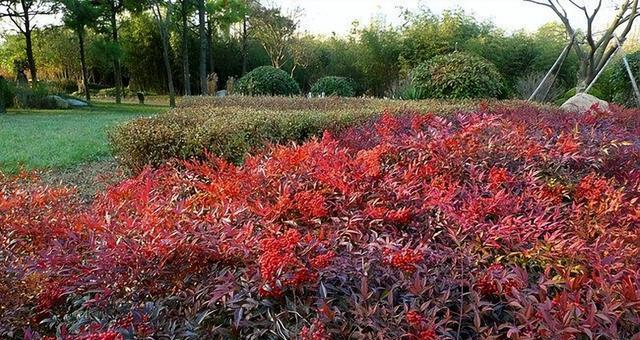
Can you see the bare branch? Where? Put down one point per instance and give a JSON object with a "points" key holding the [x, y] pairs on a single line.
{"points": [[539, 3], [583, 8], [561, 13], [595, 53], [590, 20], [558, 4]]}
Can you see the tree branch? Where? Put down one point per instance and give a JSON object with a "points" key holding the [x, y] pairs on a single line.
{"points": [[539, 3], [560, 11], [590, 19]]}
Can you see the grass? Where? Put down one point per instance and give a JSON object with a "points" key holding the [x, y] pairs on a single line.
{"points": [[61, 139]]}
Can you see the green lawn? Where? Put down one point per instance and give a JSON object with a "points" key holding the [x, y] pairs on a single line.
{"points": [[59, 139]]}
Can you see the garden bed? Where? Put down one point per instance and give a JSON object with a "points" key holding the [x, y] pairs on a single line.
{"points": [[235, 126], [499, 222]]}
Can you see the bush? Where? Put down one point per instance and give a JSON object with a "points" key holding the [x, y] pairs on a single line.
{"points": [[6, 95], [458, 76], [405, 89], [333, 86], [225, 133], [549, 92], [491, 224], [66, 86], [267, 81], [623, 93], [152, 140], [34, 98], [231, 127]]}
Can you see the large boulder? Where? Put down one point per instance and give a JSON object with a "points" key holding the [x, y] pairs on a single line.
{"points": [[77, 102], [583, 102], [58, 102]]}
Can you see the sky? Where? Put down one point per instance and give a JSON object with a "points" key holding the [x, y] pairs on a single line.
{"points": [[324, 17]]}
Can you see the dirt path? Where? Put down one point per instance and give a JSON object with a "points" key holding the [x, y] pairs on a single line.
{"points": [[89, 178]]}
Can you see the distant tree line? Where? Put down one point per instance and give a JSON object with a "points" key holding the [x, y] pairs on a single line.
{"points": [[173, 47]]}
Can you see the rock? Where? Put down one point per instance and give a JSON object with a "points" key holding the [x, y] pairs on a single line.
{"points": [[59, 102], [222, 93], [77, 103], [140, 95], [583, 102]]}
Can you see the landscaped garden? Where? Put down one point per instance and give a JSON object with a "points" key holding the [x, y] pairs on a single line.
{"points": [[484, 219], [440, 179]]}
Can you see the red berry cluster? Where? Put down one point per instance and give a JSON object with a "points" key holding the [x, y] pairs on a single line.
{"points": [[405, 259], [593, 189], [110, 335], [497, 281], [50, 297], [317, 331], [498, 177], [423, 331], [284, 263], [322, 261], [414, 318], [311, 204]]}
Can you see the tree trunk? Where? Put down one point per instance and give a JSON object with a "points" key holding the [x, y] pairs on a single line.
{"points": [[164, 36], [83, 64], [586, 75], [244, 46], [167, 65], [204, 90], [185, 50], [211, 65], [30, 59], [581, 78], [117, 67]]}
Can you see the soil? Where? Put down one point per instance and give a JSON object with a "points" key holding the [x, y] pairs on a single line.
{"points": [[88, 179]]}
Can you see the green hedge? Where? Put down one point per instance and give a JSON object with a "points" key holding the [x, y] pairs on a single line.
{"points": [[458, 76], [334, 86], [233, 126], [267, 81]]}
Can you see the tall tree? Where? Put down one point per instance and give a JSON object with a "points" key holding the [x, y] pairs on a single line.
{"points": [[186, 9], [110, 11], [275, 31], [300, 52], [222, 14], [202, 29], [78, 14], [594, 50], [245, 40], [22, 13], [162, 12], [380, 46]]}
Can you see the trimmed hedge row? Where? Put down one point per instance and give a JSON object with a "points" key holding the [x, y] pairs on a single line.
{"points": [[268, 81], [235, 126]]}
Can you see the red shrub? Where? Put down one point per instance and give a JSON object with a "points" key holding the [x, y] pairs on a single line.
{"points": [[500, 223], [316, 332]]}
